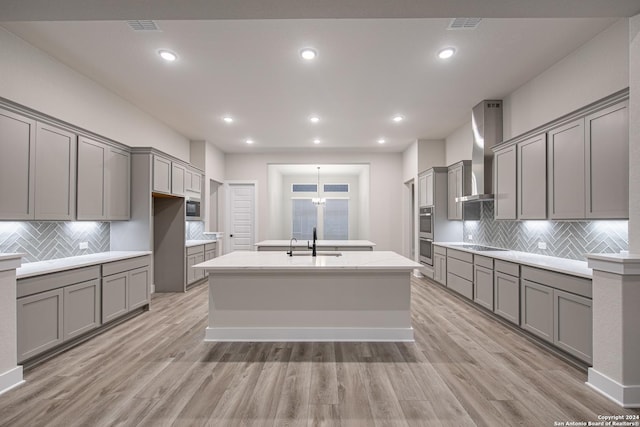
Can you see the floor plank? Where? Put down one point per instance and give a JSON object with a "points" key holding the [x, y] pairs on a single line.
{"points": [[465, 369]]}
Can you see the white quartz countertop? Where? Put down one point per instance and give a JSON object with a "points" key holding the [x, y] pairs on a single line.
{"points": [[62, 264], [319, 243], [10, 256], [278, 261], [560, 265], [190, 243]]}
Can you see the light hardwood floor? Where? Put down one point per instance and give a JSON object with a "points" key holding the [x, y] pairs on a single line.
{"points": [[464, 369]]}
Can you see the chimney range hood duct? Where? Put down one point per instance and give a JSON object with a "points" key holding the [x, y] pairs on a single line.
{"points": [[486, 123]]}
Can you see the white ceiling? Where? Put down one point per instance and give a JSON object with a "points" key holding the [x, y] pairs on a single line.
{"points": [[367, 71], [325, 169]]}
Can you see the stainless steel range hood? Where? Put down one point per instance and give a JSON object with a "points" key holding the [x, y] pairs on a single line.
{"points": [[486, 123]]}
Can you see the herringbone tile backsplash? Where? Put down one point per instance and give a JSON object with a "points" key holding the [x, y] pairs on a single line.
{"points": [[565, 239], [41, 241]]}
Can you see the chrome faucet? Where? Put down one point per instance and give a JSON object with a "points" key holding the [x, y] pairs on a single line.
{"points": [[290, 253], [315, 237]]}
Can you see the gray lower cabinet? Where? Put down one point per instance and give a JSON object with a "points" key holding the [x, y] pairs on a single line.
{"points": [[17, 160], [40, 323], [81, 308], [195, 255], [504, 162], [483, 285], [572, 324], [115, 297], [506, 301], [125, 286], [440, 268], [210, 251], [537, 309], [460, 272]]}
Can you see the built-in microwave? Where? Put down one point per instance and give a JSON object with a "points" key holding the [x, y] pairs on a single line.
{"points": [[426, 223], [193, 210]]}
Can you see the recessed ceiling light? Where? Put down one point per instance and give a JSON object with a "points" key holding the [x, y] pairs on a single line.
{"points": [[228, 119], [249, 141], [398, 118], [167, 55], [314, 119], [381, 141], [446, 53], [316, 141], [308, 53]]}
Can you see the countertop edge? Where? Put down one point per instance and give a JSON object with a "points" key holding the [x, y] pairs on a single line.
{"points": [[69, 263]]}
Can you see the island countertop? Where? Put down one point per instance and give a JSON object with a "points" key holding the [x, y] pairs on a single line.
{"points": [[279, 261], [319, 243]]}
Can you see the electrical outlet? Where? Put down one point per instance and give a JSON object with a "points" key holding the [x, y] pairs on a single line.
{"points": [[84, 245], [542, 245], [470, 237]]}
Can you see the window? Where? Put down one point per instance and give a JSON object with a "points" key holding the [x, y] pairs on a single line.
{"points": [[304, 188], [304, 217], [336, 188], [336, 219]]}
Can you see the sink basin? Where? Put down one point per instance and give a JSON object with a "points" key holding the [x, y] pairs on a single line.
{"points": [[318, 253]]}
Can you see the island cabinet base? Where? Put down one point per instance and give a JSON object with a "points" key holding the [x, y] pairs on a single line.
{"points": [[303, 306]]}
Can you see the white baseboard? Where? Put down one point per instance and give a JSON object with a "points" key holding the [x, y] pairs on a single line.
{"points": [[310, 334], [10, 379], [624, 395]]}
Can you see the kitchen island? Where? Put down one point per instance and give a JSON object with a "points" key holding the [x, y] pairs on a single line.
{"points": [[322, 245], [270, 296]]}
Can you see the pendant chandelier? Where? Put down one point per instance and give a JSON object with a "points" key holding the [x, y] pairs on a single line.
{"points": [[319, 201]]}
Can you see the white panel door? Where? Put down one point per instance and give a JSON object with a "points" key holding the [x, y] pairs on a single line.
{"points": [[242, 210]]}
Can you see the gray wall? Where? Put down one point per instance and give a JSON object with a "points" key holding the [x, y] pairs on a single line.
{"points": [[41, 241], [565, 239]]}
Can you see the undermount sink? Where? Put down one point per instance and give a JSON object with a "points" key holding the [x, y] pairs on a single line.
{"points": [[318, 253]]}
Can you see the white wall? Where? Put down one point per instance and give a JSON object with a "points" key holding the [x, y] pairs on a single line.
{"points": [[410, 162], [276, 229], [386, 187], [36, 80], [634, 135], [460, 144], [431, 153], [364, 181], [598, 68]]}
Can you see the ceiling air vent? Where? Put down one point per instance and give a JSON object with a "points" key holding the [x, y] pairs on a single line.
{"points": [[464, 23], [143, 25]]}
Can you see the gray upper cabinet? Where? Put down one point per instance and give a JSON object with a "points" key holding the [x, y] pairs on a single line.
{"points": [[532, 178], [161, 174], [55, 173], [178, 175], [92, 184], [505, 183], [459, 184], [104, 181], [119, 180], [17, 160], [566, 160], [193, 181], [425, 189], [607, 162]]}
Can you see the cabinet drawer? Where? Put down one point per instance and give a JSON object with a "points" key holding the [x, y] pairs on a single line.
{"points": [[192, 250], [483, 261], [125, 265], [210, 247], [573, 284], [462, 256], [460, 285], [441, 250], [460, 268], [47, 282], [507, 267]]}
